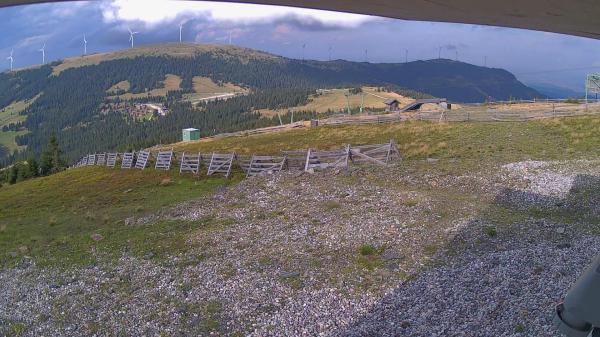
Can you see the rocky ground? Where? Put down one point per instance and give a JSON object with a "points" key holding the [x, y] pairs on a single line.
{"points": [[422, 249]]}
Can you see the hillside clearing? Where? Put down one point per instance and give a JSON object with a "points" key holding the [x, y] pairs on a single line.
{"points": [[205, 88], [171, 83], [11, 113], [335, 100]]}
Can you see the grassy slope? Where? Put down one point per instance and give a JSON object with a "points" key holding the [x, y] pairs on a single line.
{"points": [[335, 100], [7, 139], [543, 139], [11, 114], [54, 217], [173, 49]]}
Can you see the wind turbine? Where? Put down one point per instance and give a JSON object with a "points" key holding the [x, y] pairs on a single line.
{"points": [[230, 38], [84, 45], [180, 28], [43, 50], [303, 48], [131, 34], [330, 52], [11, 59]]}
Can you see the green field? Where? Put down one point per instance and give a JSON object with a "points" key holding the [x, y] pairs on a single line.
{"points": [[53, 219], [7, 139], [11, 114]]}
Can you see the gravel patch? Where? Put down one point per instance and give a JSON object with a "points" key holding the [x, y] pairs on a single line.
{"points": [[508, 293]]}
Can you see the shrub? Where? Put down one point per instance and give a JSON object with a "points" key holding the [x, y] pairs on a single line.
{"points": [[367, 250]]}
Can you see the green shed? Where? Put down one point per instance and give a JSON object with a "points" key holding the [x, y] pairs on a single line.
{"points": [[190, 134]]}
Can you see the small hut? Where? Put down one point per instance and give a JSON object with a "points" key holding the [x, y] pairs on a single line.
{"points": [[190, 134], [392, 105]]}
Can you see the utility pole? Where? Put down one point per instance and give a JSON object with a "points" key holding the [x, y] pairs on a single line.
{"points": [[348, 102], [362, 101]]}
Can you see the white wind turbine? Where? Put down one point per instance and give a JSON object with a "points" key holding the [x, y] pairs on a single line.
{"points": [[43, 50], [180, 29], [11, 59], [131, 34], [84, 45]]}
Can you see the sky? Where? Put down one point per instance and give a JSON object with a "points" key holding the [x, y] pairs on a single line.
{"points": [[534, 57]]}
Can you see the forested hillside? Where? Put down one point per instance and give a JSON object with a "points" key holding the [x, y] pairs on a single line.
{"points": [[67, 102]]}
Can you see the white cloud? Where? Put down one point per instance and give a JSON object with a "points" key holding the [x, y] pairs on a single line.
{"points": [[153, 12]]}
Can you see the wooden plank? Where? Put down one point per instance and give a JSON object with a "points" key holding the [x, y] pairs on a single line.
{"points": [[243, 162], [264, 164], [190, 163], [101, 159], [91, 159], [367, 158], [111, 160], [164, 160], [142, 160], [128, 160], [327, 159], [221, 163]]}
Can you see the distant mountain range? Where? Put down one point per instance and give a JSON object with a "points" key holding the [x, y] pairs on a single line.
{"points": [[84, 100], [554, 91]]}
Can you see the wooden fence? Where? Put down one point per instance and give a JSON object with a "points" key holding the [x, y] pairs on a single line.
{"points": [[223, 163], [142, 160]]}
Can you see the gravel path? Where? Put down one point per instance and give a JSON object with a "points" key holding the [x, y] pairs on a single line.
{"points": [[509, 293]]}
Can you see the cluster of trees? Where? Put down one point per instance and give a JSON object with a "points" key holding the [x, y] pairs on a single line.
{"points": [[50, 162]]}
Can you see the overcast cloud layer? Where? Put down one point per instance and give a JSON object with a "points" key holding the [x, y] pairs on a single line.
{"points": [[535, 57]]}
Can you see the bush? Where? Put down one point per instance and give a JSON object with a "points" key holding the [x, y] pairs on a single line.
{"points": [[491, 232], [367, 250]]}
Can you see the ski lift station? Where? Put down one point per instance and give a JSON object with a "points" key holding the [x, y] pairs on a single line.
{"points": [[190, 134]]}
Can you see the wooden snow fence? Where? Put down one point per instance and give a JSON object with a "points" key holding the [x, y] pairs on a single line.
{"points": [[111, 159], [190, 162], [221, 163], [127, 160], [101, 159], [380, 154], [142, 160], [163, 160], [296, 160], [319, 160], [243, 161], [91, 160], [265, 164]]}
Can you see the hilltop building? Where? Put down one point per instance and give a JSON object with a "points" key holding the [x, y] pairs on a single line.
{"points": [[190, 134], [392, 105]]}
